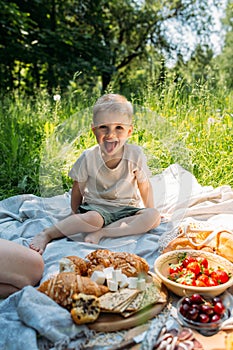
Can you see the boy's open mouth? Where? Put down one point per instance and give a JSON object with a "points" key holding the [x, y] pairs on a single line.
{"points": [[110, 145]]}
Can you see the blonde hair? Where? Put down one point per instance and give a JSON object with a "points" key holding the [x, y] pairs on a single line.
{"points": [[113, 103]]}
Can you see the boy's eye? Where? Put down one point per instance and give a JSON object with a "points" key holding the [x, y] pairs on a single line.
{"points": [[119, 127], [102, 127]]}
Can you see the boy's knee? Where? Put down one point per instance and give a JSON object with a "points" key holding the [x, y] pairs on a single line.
{"points": [[154, 217], [95, 219]]}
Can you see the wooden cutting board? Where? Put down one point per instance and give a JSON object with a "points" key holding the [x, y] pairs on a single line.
{"points": [[109, 322]]}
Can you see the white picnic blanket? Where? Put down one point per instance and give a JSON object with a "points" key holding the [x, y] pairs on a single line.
{"points": [[29, 319]]}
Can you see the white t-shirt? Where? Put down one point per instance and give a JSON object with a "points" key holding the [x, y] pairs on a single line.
{"points": [[115, 187]]}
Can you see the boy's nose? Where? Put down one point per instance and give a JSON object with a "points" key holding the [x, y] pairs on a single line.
{"points": [[111, 131]]}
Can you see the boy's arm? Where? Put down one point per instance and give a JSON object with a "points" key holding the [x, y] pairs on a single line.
{"points": [[76, 196], [146, 192]]}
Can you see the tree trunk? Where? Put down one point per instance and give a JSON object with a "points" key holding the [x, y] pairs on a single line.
{"points": [[106, 79]]}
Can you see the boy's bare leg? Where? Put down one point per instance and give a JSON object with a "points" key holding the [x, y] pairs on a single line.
{"points": [[141, 222], [76, 223]]}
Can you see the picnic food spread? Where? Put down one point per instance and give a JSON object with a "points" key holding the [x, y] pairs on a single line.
{"points": [[113, 287], [104, 282]]}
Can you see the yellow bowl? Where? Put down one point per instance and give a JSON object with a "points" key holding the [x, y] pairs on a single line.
{"points": [[161, 268]]}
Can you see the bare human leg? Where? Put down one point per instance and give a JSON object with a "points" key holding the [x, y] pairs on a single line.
{"points": [[141, 222], [20, 266], [76, 223]]}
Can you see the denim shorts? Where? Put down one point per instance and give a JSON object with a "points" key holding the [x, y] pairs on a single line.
{"points": [[108, 213]]}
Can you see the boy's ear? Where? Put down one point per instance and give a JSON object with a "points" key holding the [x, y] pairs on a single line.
{"points": [[93, 128], [130, 131]]}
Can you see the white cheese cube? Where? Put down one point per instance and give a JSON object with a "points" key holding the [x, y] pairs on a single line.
{"points": [[98, 277], [141, 284], [116, 275], [108, 272], [112, 285], [132, 282], [124, 281]]}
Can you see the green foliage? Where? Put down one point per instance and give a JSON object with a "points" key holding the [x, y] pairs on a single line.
{"points": [[225, 59], [44, 43], [189, 124]]}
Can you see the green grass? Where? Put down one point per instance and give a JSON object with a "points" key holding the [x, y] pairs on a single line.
{"points": [[41, 138]]}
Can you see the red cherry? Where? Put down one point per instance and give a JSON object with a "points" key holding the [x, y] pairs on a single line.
{"points": [[207, 309], [215, 318], [186, 300], [192, 314], [196, 306], [184, 309], [196, 298], [219, 308], [204, 318], [216, 300]]}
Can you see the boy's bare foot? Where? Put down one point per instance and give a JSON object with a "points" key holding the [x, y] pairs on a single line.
{"points": [[39, 242], [93, 237]]}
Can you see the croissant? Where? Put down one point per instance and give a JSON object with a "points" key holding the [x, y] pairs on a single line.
{"points": [[130, 264], [61, 287]]}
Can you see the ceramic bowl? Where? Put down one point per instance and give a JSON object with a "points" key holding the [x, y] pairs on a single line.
{"points": [[206, 329], [161, 268]]}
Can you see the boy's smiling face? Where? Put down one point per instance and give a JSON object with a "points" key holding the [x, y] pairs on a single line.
{"points": [[112, 130]]}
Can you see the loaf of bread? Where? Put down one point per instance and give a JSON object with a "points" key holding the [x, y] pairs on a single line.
{"points": [[181, 242], [130, 264], [219, 242], [64, 285], [224, 244], [85, 308]]}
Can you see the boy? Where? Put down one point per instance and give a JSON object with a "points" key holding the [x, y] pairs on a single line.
{"points": [[110, 181]]}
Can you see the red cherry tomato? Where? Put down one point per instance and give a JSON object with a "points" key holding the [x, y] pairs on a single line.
{"points": [[220, 276], [175, 268], [196, 272], [212, 282], [200, 283], [188, 260], [173, 276], [194, 267], [203, 279], [203, 262], [205, 271]]}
